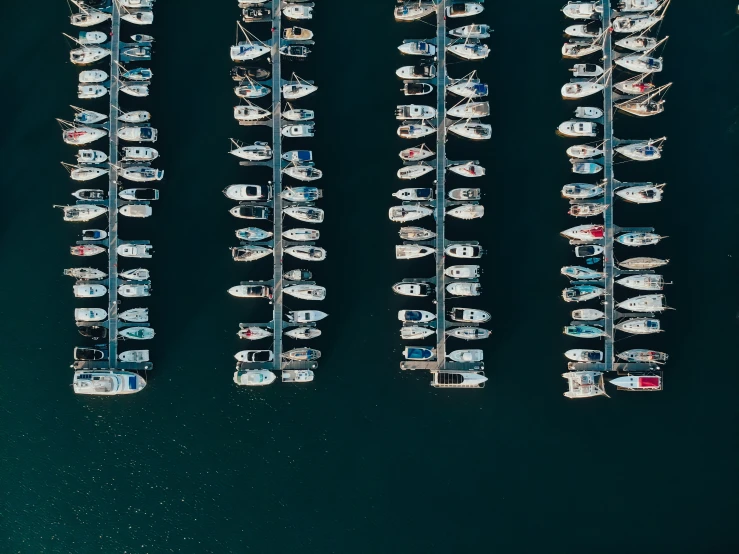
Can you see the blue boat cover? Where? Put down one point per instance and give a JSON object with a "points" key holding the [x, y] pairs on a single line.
{"points": [[413, 315], [304, 155], [132, 382], [417, 353]]}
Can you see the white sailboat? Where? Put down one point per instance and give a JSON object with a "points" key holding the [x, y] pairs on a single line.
{"points": [[642, 194]]}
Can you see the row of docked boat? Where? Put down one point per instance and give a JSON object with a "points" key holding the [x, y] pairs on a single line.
{"points": [[622, 38], [266, 204], [424, 201], [96, 373]]}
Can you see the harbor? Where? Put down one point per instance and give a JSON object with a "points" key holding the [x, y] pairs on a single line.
{"points": [[463, 368], [101, 368], [627, 40]]}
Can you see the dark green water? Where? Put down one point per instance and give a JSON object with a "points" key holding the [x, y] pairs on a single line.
{"points": [[369, 459]]}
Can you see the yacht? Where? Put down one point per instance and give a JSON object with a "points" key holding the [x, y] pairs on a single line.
{"points": [[582, 293], [93, 76], [306, 292], [413, 289], [415, 171], [640, 63], [577, 129], [306, 316], [583, 331], [298, 11], [638, 382], [639, 326], [641, 151], [643, 356], [308, 253], [588, 250], [303, 172], [467, 315], [413, 88], [138, 315], [260, 193], [584, 356], [418, 48], [586, 70], [251, 291], [470, 49], [136, 356], [254, 14], [252, 234], [642, 263], [582, 10], [142, 174], [638, 43], [135, 250], [639, 239], [254, 377], [247, 51], [589, 232], [303, 333], [416, 153], [470, 109], [588, 314], [463, 9], [250, 253], [584, 112], [134, 291], [83, 212], [579, 191], [464, 251], [299, 130], [308, 214], [136, 210], [464, 288], [103, 382], [94, 234], [87, 173], [580, 89], [133, 195], [297, 51], [419, 353], [139, 17], [297, 33], [415, 316], [298, 115], [298, 275], [298, 156], [85, 273], [89, 18], [583, 151], [463, 194], [258, 151], [409, 212], [587, 209], [581, 273], [584, 384], [422, 70], [90, 314], [301, 234], [88, 54], [414, 111], [140, 153], [89, 291], [252, 90], [90, 194], [587, 30], [579, 49], [415, 332], [250, 112], [138, 134], [468, 333], [411, 11], [471, 31], [138, 74], [293, 91], [415, 130], [633, 24], [647, 281], [463, 271], [138, 274], [412, 251], [644, 304], [468, 211], [466, 356], [77, 136], [473, 130], [415, 233], [415, 194], [86, 250]]}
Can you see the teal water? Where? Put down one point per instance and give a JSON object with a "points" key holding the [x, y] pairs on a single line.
{"points": [[369, 459]]}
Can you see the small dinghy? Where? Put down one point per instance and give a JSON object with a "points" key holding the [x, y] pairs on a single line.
{"points": [[577, 129], [469, 211], [413, 289], [572, 91], [584, 356], [639, 239], [584, 331], [89, 291], [646, 303], [463, 271], [467, 315], [471, 31], [415, 194], [639, 326], [77, 136], [464, 288], [410, 212], [412, 251], [587, 314], [585, 168], [90, 194], [410, 172], [578, 191], [468, 333], [249, 253], [588, 250], [308, 214], [464, 251], [303, 333], [298, 275], [582, 293], [415, 233], [86, 250], [466, 356], [464, 194], [137, 356], [421, 71], [302, 234], [587, 209], [135, 315], [415, 332], [588, 232], [643, 282], [642, 263], [297, 33], [418, 48], [136, 333], [411, 88], [298, 115], [87, 173], [252, 90], [138, 74], [94, 234], [641, 194], [643, 356], [419, 353], [93, 76], [415, 316], [252, 234], [134, 291], [83, 212], [91, 157], [307, 253], [588, 113], [135, 250], [85, 273], [306, 292], [581, 273], [138, 274], [415, 130], [469, 169], [411, 11], [302, 354], [583, 151], [306, 316]]}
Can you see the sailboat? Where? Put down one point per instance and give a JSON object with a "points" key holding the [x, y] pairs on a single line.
{"points": [[297, 88], [247, 49]]}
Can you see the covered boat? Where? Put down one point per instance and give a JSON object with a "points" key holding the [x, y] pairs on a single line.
{"points": [[639, 326], [638, 382], [415, 316], [419, 353], [582, 293], [584, 331]]}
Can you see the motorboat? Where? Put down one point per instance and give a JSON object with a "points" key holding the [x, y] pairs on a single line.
{"points": [[638, 239], [463, 194], [587, 250], [411, 11], [301, 89], [136, 116], [633, 24], [415, 233], [585, 233], [638, 43], [467, 315], [463, 271], [582, 293], [639, 326], [468, 88], [415, 171], [581, 273], [467, 211], [128, 250], [466, 356], [409, 212], [308, 214], [137, 52], [415, 316], [415, 332], [136, 210], [141, 174], [297, 51], [250, 253], [139, 37], [584, 356], [588, 30], [418, 48], [416, 153], [255, 356], [644, 304], [138, 274], [303, 333], [298, 156], [469, 169], [139, 153], [412, 251], [139, 17], [87, 173], [250, 112], [579, 191], [308, 253], [240, 73], [306, 292], [259, 13], [584, 112], [579, 49], [83, 212], [90, 194], [135, 315], [646, 281], [85, 273], [134, 290], [88, 354], [580, 89], [103, 382], [582, 10], [90, 314], [463, 9], [93, 332], [89, 291], [298, 275], [306, 316], [133, 195], [138, 74], [419, 353], [136, 356], [138, 134], [302, 354], [413, 289], [470, 109], [464, 251], [422, 70], [637, 5], [413, 88], [642, 263], [414, 111], [415, 130], [251, 212], [94, 234], [252, 234], [261, 193], [258, 151], [251, 291], [88, 55], [468, 333], [584, 151], [583, 331], [254, 377], [464, 288], [301, 234], [299, 130], [470, 49], [643, 356], [641, 151], [640, 63], [93, 76], [298, 115], [88, 116], [473, 130], [638, 382], [588, 314], [77, 136], [303, 172], [298, 11], [415, 194], [89, 18], [471, 31], [587, 209], [252, 90], [246, 51], [297, 33], [577, 129], [586, 70]]}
